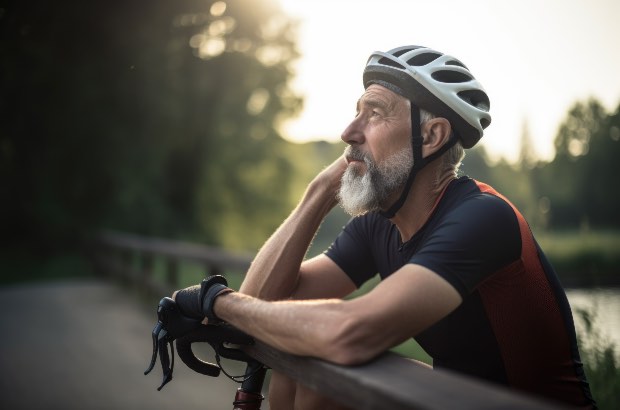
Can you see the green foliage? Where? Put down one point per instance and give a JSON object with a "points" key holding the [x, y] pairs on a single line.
{"points": [[583, 257], [601, 362], [157, 120], [576, 190], [310, 159], [162, 120], [580, 180]]}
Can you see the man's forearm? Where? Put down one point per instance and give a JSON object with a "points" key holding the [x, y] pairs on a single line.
{"points": [[273, 273], [307, 328]]}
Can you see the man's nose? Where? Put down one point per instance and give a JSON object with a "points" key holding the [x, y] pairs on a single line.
{"points": [[354, 133]]}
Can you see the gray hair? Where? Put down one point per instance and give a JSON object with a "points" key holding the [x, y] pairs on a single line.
{"points": [[452, 158]]}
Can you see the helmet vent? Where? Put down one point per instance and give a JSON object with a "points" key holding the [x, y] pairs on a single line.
{"points": [[399, 53], [448, 76], [457, 63], [435, 82], [391, 63], [476, 98], [423, 59]]}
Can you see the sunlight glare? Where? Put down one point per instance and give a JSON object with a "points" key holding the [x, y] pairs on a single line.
{"points": [[532, 72], [257, 101], [218, 8]]}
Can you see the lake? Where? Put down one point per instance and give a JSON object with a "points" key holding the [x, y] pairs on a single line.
{"points": [[605, 304]]}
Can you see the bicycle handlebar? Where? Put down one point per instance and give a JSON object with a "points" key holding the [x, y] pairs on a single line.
{"points": [[218, 336], [173, 325]]}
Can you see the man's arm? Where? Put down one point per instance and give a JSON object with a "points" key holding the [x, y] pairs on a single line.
{"points": [[276, 270], [346, 332]]}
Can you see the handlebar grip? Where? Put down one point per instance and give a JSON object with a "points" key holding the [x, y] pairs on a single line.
{"points": [[173, 320], [217, 336], [184, 349]]}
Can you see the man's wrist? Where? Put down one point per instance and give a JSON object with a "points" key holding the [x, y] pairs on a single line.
{"points": [[212, 288], [216, 307]]}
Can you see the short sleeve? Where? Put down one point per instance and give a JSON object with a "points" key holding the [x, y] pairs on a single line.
{"points": [[474, 240]]}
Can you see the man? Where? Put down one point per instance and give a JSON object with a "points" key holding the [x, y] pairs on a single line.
{"points": [[456, 259]]}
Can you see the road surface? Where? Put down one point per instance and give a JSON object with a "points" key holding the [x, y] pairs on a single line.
{"points": [[85, 344]]}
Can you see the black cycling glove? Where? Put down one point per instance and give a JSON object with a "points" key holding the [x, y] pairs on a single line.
{"points": [[197, 301]]}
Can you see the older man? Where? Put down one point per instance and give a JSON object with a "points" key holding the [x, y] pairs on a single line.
{"points": [[460, 269]]}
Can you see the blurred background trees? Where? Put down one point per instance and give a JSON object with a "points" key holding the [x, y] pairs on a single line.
{"points": [[161, 118], [152, 117], [577, 190]]}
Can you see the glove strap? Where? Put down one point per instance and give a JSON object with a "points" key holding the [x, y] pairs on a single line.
{"points": [[211, 288]]}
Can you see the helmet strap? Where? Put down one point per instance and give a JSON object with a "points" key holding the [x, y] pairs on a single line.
{"points": [[418, 161]]}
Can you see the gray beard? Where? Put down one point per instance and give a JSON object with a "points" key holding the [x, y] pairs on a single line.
{"points": [[370, 191]]}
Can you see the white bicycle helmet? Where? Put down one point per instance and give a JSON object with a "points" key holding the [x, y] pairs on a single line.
{"points": [[435, 82]]}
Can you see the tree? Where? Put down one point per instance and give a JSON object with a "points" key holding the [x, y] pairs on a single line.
{"points": [[602, 197], [580, 177], [158, 120]]}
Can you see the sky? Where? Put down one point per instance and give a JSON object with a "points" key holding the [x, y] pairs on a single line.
{"points": [[535, 59]]}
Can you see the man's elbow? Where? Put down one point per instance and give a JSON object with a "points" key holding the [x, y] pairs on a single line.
{"points": [[349, 345]]}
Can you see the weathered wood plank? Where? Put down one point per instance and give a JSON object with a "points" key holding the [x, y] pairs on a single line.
{"points": [[190, 251], [394, 382], [389, 382]]}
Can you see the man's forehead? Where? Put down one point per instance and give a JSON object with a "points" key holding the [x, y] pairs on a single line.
{"points": [[377, 95]]}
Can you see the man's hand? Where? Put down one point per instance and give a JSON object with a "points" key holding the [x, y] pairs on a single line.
{"points": [[331, 176], [197, 301], [274, 273]]}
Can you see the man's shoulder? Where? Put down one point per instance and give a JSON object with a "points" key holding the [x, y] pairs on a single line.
{"points": [[473, 204], [471, 193]]}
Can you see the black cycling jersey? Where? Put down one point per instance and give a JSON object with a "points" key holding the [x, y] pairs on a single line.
{"points": [[514, 325]]}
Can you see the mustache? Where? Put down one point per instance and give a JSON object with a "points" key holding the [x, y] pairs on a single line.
{"points": [[356, 154]]}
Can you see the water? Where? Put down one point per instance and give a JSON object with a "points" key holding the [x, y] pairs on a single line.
{"points": [[604, 303]]}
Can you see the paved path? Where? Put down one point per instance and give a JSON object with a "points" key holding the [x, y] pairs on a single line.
{"points": [[85, 345]]}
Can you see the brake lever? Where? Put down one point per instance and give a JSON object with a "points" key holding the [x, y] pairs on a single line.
{"points": [[171, 324], [220, 337]]}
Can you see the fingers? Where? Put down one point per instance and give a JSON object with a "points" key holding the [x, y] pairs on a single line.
{"points": [[331, 176]]}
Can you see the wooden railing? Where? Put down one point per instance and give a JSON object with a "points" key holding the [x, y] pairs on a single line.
{"points": [[388, 382], [131, 258]]}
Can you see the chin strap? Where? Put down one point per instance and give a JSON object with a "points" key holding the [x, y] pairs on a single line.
{"points": [[418, 162]]}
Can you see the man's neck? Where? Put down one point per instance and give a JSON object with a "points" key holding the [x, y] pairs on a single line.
{"points": [[426, 190]]}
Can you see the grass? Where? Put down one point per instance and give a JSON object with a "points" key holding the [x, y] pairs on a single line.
{"points": [[565, 244], [584, 257], [601, 361]]}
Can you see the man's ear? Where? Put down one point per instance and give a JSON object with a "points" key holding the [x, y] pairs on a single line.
{"points": [[436, 133]]}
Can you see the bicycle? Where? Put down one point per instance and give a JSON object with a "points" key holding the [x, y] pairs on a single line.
{"points": [[172, 325]]}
